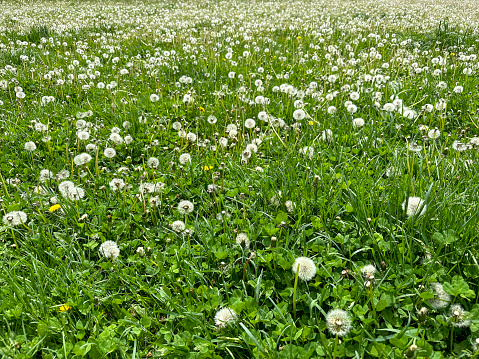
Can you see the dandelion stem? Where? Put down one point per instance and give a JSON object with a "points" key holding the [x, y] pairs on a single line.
{"points": [[294, 291], [335, 346]]}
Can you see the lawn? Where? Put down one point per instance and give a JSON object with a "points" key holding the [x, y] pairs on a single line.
{"points": [[239, 179]]}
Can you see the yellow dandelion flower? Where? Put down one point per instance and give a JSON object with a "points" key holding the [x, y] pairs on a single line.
{"points": [[207, 168], [299, 37], [201, 109], [54, 208], [310, 122], [64, 308]]}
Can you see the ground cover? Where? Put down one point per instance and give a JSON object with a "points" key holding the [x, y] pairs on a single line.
{"points": [[239, 179]]}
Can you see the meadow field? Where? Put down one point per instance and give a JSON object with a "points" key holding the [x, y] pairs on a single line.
{"points": [[239, 179]]}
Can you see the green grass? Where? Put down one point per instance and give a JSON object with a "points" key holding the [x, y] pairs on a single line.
{"points": [[343, 206]]}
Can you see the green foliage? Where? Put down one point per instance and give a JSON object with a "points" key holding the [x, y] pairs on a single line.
{"points": [[342, 199]]}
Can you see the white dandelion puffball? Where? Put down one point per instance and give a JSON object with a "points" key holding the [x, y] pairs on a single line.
{"points": [[307, 269], [441, 298], [109, 152], [109, 249], [458, 316], [338, 322], [30, 146], [117, 184], [14, 218], [184, 158], [82, 159], [415, 206], [154, 97], [299, 114], [153, 162], [368, 270], [178, 226], [225, 316], [358, 122], [249, 123], [185, 207], [242, 239]]}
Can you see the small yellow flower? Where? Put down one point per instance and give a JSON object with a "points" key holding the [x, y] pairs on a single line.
{"points": [[201, 109], [64, 308], [207, 168], [54, 208], [310, 122], [299, 37]]}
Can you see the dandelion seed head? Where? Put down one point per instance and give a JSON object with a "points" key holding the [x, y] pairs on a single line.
{"points": [[109, 249], [338, 321], [307, 268], [414, 206], [225, 316]]}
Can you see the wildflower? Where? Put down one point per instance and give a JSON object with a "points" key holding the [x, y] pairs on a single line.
{"points": [[185, 158], [389, 107], [154, 201], [178, 226], [414, 147], [368, 270], [15, 218], [474, 141], [290, 206], [354, 96], [332, 110], [441, 298], [201, 109], [82, 159], [109, 249], [306, 270], [307, 151], [109, 152], [185, 207], [154, 97], [249, 123], [75, 194], [458, 316], [460, 146], [327, 135], [338, 322], [475, 344], [242, 238], [45, 175], [299, 114], [358, 122], [83, 135], [140, 251], [91, 147], [410, 351], [54, 208], [30, 146], [153, 162], [433, 134], [64, 308], [207, 168], [422, 314], [415, 206], [116, 138], [211, 119], [65, 186], [191, 137], [225, 316], [117, 184]]}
